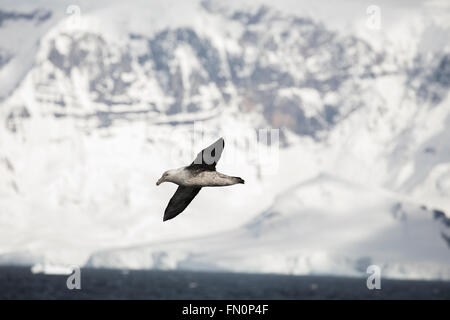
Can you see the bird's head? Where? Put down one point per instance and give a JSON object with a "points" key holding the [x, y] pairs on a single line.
{"points": [[166, 177]]}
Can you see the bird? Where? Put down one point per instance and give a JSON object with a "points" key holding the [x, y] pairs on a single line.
{"points": [[190, 179]]}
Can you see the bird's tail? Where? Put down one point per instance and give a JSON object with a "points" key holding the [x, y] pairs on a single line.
{"points": [[239, 180]]}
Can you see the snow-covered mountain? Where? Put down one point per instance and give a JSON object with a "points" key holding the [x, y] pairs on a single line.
{"points": [[97, 100]]}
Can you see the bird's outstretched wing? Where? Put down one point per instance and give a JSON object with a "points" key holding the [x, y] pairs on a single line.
{"points": [[208, 157], [179, 201]]}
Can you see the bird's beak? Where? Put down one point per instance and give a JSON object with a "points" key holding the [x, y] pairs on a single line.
{"points": [[161, 180]]}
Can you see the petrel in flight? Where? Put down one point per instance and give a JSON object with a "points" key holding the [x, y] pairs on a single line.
{"points": [[200, 173]]}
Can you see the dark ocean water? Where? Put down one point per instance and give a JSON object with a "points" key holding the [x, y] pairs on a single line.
{"points": [[20, 283]]}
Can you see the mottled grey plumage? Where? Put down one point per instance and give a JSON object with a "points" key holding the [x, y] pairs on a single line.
{"points": [[200, 173]]}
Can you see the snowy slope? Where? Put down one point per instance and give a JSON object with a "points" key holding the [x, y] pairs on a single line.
{"points": [[102, 105], [323, 226]]}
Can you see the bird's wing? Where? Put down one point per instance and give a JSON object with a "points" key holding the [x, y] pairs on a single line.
{"points": [[179, 201], [208, 157]]}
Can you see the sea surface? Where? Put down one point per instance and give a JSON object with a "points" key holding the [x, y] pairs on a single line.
{"points": [[20, 283]]}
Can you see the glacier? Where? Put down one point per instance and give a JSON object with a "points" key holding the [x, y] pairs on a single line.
{"points": [[322, 226]]}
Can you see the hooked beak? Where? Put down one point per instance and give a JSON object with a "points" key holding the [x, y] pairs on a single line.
{"points": [[161, 180]]}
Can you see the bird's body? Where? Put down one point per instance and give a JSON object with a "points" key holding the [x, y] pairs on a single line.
{"points": [[201, 173], [212, 179], [187, 177]]}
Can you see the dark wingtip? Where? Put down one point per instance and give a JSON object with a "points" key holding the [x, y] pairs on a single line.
{"points": [[168, 216], [240, 180]]}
